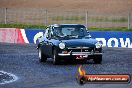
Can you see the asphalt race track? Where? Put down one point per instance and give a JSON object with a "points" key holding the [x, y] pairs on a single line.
{"points": [[22, 61]]}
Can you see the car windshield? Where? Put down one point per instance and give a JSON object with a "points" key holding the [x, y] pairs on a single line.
{"points": [[70, 31]]}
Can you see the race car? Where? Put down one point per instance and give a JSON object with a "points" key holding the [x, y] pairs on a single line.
{"points": [[68, 42]]}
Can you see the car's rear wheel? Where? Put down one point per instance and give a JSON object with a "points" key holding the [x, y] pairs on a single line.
{"points": [[56, 60], [97, 59], [42, 57]]}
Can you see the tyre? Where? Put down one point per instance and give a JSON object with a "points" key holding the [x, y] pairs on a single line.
{"points": [[56, 60], [97, 59], [42, 57]]}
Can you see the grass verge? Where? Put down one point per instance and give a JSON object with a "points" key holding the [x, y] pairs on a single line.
{"points": [[41, 26], [110, 29]]}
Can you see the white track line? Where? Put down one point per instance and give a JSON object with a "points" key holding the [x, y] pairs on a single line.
{"points": [[24, 35], [15, 78]]}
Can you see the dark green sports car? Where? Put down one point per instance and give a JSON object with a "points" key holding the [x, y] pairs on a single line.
{"points": [[69, 42]]}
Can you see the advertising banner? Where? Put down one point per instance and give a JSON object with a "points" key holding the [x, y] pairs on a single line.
{"points": [[11, 35], [113, 39], [108, 38]]}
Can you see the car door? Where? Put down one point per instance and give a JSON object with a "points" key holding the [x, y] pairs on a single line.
{"points": [[48, 44]]}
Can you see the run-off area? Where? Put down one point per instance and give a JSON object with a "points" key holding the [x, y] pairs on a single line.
{"points": [[22, 61]]}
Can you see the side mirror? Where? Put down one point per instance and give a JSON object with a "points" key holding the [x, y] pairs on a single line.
{"points": [[87, 31], [89, 34]]}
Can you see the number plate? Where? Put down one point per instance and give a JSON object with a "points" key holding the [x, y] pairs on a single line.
{"points": [[81, 56]]}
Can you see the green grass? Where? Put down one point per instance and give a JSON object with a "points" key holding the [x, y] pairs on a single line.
{"points": [[41, 26], [108, 19], [109, 29], [90, 19]]}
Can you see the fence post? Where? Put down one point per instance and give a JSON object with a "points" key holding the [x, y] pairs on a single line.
{"points": [[86, 19], [5, 10], [129, 21], [46, 17]]}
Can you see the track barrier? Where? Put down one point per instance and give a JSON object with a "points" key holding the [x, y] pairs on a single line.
{"points": [[108, 38]]}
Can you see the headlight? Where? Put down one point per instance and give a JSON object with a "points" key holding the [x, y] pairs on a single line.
{"points": [[98, 45], [62, 45]]}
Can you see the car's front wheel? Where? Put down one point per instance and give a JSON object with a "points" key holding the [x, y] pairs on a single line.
{"points": [[42, 57], [97, 59], [56, 60]]}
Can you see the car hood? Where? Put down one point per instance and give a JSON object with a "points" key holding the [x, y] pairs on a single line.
{"points": [[80, 42]]}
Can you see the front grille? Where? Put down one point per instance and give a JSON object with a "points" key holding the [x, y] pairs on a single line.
{"points": [[80, 49]]}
